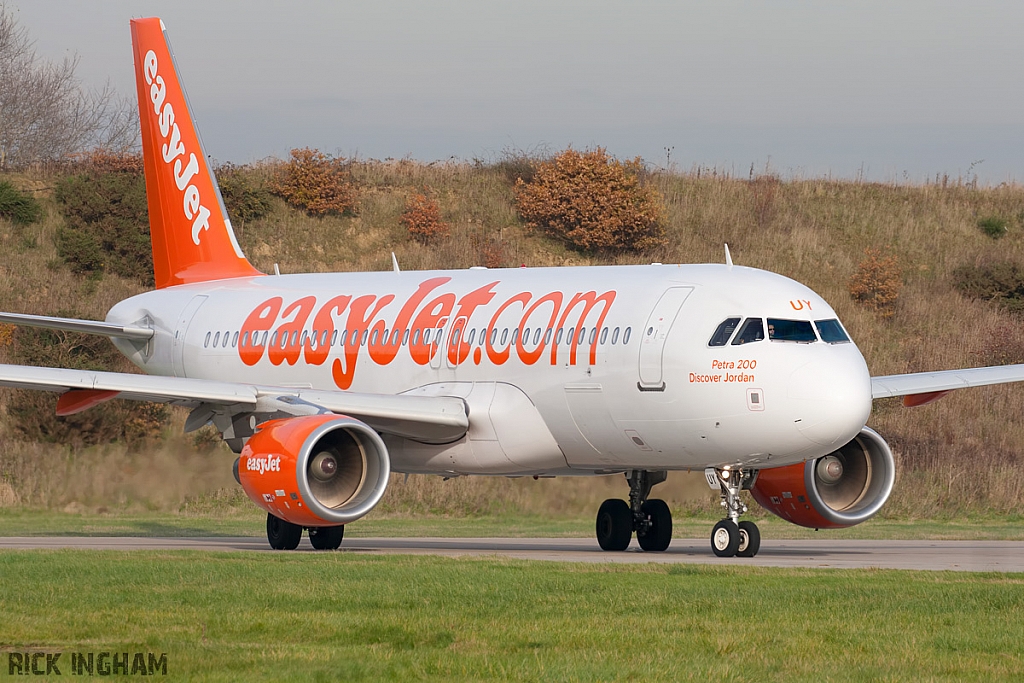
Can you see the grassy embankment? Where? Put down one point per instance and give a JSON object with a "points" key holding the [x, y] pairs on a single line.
{"points": [[958, 459], [345, 616]]}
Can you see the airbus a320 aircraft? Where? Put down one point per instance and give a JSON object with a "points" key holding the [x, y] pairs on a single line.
{"points": [[326, 383]]}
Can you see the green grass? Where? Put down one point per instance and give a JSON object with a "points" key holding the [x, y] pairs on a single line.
{"points": [[352, 617], [250, 522]]}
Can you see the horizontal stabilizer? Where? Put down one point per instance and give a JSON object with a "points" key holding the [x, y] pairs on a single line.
{"points": [[75, 325]]}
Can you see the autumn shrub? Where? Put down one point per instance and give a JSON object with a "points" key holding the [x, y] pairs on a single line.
{"points": [[18, 207], [593, 202], [1001, 282], [877, 282], [246, 198], [316, 183], [993, 226], [492, 254], [106, 161], [422, 218], [106, 223]]}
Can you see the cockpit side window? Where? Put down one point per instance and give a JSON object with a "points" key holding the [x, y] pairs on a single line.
{"points": [[724, 331], [831, 331], [791, 330], [752, 331]]}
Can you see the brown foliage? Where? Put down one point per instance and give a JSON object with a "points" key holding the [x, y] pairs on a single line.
{"points": [[764, 190], [593, 202], [316, 183], [102, 161], [422, 218], [877, 282]]}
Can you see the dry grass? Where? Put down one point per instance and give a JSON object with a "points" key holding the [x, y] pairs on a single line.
{"points": [[958, 456]]}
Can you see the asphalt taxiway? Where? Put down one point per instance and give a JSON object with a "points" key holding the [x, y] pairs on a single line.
{"points": [[977, 556]]}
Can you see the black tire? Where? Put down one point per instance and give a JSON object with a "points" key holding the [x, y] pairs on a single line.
{"points": [[281, 534], [614, 525], [725, 538], [750, 540], [326, 537], [659, 534]]}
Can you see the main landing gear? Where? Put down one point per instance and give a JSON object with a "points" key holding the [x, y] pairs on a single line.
{"points": [[650, 519], [731, 537], [286, 536]]}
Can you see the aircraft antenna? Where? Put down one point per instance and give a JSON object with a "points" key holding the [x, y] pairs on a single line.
{"points": [[394, 262], [728, 256]]}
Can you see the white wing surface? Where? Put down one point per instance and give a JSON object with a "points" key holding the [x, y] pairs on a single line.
{"points": [[943, 381], [433, 418]]}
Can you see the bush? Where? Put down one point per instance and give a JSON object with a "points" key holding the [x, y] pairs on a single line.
{"points": [[422, 218], [592, 202], [993, 226], [245, 197], [1001, 282], [877, 282], [316, 183], [19, 207], [107, 224]]}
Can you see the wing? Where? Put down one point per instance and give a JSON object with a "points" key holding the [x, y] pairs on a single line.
{"points": [[435, 419], [919, 388]]}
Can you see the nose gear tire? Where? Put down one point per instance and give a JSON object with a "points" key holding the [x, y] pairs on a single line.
{"points": [[750, 539], [725, 538]]}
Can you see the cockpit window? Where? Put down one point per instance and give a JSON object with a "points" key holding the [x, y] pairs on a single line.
{"points": [[831, 331], [752, 331], [791, 330], [724, 331]]}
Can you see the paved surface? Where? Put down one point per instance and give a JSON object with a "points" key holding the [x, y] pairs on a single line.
{"points": [[999, 556]]}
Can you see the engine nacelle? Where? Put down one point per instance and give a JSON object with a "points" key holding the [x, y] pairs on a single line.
{"points": [[844, 488], [315, 470]]}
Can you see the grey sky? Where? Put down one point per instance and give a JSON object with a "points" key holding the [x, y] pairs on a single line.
{"points": [[883, 88]]}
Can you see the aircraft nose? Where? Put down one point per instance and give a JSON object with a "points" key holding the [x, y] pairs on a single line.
{"points": [[831, 398]]}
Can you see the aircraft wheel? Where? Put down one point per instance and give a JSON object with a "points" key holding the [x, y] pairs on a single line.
{"points": [[750, 540], [659, 533], [725, 538], [281, 534], [326, 537], [614, 525]]}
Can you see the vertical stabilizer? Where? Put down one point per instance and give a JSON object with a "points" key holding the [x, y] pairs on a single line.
{"points": [[192, 236]]}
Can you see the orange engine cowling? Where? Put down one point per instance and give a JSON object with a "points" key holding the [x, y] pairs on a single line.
{"points": [[838, 490], [315, 470]]}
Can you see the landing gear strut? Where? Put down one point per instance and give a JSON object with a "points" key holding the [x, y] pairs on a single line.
{"points": [[730, 537], [650, 519]]}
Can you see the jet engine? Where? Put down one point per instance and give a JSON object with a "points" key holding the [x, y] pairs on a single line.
{"points": [[315, 470], [838, 490]]}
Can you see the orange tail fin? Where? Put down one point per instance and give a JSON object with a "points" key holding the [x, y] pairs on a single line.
{"points": [[192, 236]]}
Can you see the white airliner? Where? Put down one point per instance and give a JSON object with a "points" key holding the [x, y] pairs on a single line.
{"points": [[326, 383]]}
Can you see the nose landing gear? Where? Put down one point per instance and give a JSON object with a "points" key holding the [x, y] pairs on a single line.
{"points": [[649, 518], [730, 537]]}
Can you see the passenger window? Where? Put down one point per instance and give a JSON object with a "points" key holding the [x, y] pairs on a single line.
{"points": [[625, 335], [207, 342], [504, 336], [536, 336], [216, 339], [570, 336], [547, 336], [334, 338], [615, 336], [494, 336], [362, 340], [791, 330], [405, 337], [224, 342], [723, 332], [831, 331], [558, 335], [604, 335], [395, 336], [752, 331], [582, 336], [245, 339]]}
